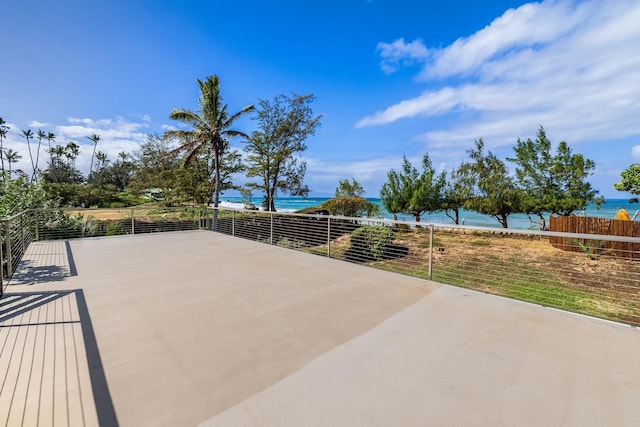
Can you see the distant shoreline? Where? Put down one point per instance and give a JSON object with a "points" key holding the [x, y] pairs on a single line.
{"points": [[516, 221]]}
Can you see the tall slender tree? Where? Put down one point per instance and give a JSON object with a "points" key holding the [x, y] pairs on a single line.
{"points": [[94, 138], [40, 135], [210, 131], [72, 150], [28, 134], [50, 138], [3, 135]]}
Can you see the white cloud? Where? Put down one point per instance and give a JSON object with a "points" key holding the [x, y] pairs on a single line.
{"points": [[572, 67], [635, 151], [400, 53], [36, 124], [116, 135]]}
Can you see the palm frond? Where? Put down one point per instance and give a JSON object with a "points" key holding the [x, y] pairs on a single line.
{"points": [[187, 117]]}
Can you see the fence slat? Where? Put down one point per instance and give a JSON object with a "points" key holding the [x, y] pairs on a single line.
{"points": [[595, 225]]}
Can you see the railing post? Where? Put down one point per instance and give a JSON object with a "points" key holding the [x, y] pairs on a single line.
{"points": [[328, 237], [8, 231], [233, 223], [1, 268], [271, 228], [22, 233], [430, 250], [133, 223], [37, 221]]}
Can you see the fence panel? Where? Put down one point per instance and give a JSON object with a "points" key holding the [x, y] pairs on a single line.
{"points": [[600, 226]]}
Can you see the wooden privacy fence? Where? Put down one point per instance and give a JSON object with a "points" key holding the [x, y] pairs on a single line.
{"points": [[593, 225]]}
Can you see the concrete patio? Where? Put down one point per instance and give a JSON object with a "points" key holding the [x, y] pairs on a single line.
{"points": [[197, 328]]}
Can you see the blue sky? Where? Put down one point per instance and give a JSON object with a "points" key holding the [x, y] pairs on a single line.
{"points": [[391, 77]]}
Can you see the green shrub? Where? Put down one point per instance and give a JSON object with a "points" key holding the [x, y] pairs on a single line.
{"points": [[350, 206], [370, 242]]}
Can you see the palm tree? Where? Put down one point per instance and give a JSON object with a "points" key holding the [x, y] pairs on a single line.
{"points": [[72, 151], [12, 156], [55, 153], [40, 134], [28, 135], [95, 138], [210, 131], [50, 137], [3, 135], [102, 160]]}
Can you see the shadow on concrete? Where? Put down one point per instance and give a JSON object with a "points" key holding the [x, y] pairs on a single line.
{"points": [[15, 304], [33, 275]]}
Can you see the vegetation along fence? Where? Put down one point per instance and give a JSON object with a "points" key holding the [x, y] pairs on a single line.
{"points": [[522, 264]]}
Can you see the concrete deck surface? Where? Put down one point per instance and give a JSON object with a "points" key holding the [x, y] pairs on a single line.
{"points": [[196, 328]]}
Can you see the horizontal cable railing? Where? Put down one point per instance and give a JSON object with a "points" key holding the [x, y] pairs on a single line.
{"points": [[72, 224], [597, 275], [588, 273], [16, 232]]}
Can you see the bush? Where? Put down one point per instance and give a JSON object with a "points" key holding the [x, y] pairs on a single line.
{"points": [[370, 242], [350, 206]]}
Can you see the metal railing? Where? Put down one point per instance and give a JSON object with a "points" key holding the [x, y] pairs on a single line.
{"points": [[593, 274], [580, 275], [16, 232]]}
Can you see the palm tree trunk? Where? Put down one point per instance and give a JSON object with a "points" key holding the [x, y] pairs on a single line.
{"points": [[216, 190]]}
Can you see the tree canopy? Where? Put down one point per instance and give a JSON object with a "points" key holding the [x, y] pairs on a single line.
{"points": [[494, 192], [630, 181], [273, 151], [210, 133], [413, 192], [552, 183], [348, 188]]}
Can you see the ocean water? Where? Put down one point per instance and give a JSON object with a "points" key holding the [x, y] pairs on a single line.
{"points": [[293, 204]]}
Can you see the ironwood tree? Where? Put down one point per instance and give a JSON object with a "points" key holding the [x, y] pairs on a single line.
{"points": [[274, 150], [630, 181], [413, 192], [552, 183], [494, 191]]}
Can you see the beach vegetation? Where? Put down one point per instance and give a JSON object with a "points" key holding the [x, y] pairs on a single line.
{"points": [[458, 188], [12, 156], [348, 188], [20, 193], [351, 206], [95, 138], [552, 183], [4, 129], [414, 192], [392, 197], [630, 181], [210, 131], [494, 190], [273, 151]]}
